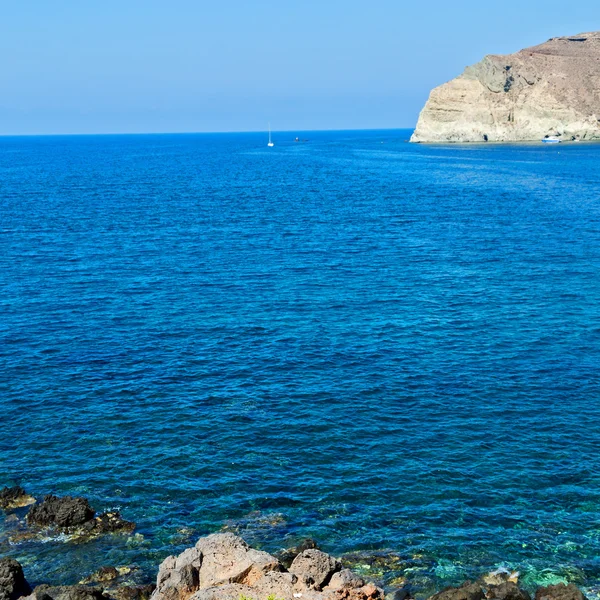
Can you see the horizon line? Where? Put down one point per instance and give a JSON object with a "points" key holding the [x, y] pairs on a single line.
{"points": [[7, 135]]}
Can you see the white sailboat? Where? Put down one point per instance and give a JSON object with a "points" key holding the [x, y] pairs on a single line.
{"points": [[270, 144]]}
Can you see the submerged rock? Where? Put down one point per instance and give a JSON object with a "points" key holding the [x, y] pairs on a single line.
{"points": [[401, 594], [118, 585], [14, 497], [500, 576], [378, 564], [102, 575], [12, 580], [548, 90], [109, 522]]}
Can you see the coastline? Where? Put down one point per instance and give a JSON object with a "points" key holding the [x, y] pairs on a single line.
{"points": [[300, 571]]}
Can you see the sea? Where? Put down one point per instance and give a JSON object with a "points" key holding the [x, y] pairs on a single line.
{"points": [[391, 348]]}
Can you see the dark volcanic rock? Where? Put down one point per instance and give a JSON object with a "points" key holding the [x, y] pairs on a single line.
{"points": [[14, 497], [109, 522], [12, 580], [560, 592], [315, 567], [62, 512], [76, 516], [68, 592], [467, 591]]}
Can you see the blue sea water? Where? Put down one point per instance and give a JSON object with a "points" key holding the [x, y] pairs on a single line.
{"points": [[388, 347]]}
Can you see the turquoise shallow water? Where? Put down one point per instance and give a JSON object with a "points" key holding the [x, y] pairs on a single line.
{"points": [[380, 345]]}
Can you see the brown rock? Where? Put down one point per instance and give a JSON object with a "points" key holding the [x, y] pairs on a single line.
{"points": [[467, 591], [548, 90], [507, 591], [560, 592], [366, 592], [345, 579], [315, 568], [216, 560]]}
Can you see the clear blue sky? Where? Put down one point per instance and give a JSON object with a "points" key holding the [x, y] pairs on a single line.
{"points": [[73, 66]]}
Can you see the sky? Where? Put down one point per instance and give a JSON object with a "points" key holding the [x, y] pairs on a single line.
{"points": [[138, 66]]}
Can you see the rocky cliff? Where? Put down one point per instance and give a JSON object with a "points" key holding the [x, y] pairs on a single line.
{"points": [[548, 90]]}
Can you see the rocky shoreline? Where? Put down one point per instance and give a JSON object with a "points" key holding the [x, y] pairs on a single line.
{"points": [[222, 566]]}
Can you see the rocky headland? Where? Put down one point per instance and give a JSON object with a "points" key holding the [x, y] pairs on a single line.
{"points": [[222, 566], [550, 90]]}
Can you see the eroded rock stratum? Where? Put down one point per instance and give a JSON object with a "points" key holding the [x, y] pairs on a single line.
{"points": [[548, 90]]}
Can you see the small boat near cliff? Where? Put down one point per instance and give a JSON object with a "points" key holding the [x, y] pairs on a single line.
{"points": [[551, 140]]}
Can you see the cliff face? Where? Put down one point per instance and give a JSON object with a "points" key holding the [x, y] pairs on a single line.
{"points": [[548, 90]]}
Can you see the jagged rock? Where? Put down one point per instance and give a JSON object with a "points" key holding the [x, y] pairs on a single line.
{"points": [[315, 568], [14, 497], [228, 559], [548, 90], [130, 592], [223, 567], [286, 557], [346, 585], [467, 591], [12, 581], [77, 517], [507, 591], [345, 579], [61, 512], [560, 592], [109, 522], [67, 592], [118, 588], [216, 560], [366, 592], [281, 586]]}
